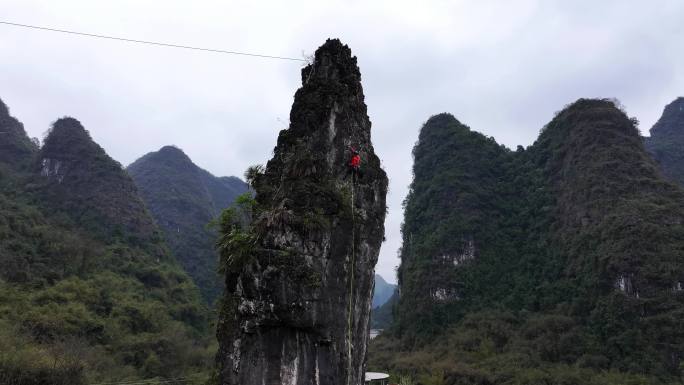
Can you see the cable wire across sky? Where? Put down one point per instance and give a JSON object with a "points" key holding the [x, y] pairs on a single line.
{"points": [[137, 41]]}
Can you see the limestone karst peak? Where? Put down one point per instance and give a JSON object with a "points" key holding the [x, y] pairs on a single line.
{"points": [[297, 304]]}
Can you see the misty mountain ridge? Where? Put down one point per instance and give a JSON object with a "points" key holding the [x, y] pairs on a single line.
{"points": [[382, 292], [183, 198], [667, 141], [385, 297]]}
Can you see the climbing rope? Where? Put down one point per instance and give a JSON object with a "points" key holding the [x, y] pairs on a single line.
{"points": [[351, 283]]}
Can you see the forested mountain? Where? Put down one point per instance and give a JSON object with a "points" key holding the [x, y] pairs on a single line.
{"points": [[80, 180], [16, 149], [88, 290], [183, 199], [666, 142], [451, 210], [559, 263], [382, 316]]}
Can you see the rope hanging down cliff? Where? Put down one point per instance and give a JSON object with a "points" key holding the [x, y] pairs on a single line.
{"points": [[351, 281], [354, 168]]}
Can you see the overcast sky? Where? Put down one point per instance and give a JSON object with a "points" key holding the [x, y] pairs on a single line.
{"points": [[502, 67]]}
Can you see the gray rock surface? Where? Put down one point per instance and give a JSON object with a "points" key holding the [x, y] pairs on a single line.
{"points": [[298, 310]]}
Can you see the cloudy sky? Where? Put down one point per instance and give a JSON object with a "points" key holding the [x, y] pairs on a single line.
{"points": [[502, 67]]}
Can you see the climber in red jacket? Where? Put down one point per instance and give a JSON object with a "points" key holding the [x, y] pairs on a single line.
{"points": [[354, 166]]}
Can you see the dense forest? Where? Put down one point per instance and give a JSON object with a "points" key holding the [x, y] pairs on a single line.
{"points": [[560, 263], [89, 291], [184, 199]]}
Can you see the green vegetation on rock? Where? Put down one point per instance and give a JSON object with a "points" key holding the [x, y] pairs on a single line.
{"points": [[299, 276], [559, 263], [88, 290], [76, 178]]}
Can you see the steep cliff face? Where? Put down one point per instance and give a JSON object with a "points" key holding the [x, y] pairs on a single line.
{"points": [[451, 225], [607, 192], [667, 141], [80, 180], [183, 199], [16, 149], [568, 252], [298, 303]]}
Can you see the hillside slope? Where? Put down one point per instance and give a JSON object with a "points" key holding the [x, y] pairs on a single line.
{"points": [[183, 199], [80, 180], [88, 290]]}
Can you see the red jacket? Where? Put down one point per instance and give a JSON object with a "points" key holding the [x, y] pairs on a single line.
{"points": [[355, 161]]}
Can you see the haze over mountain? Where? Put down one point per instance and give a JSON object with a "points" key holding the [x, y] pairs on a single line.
{"points": [[666, 142], [382, 291], [385, 297], [382, 316], [562, 262], [183, 199]]}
